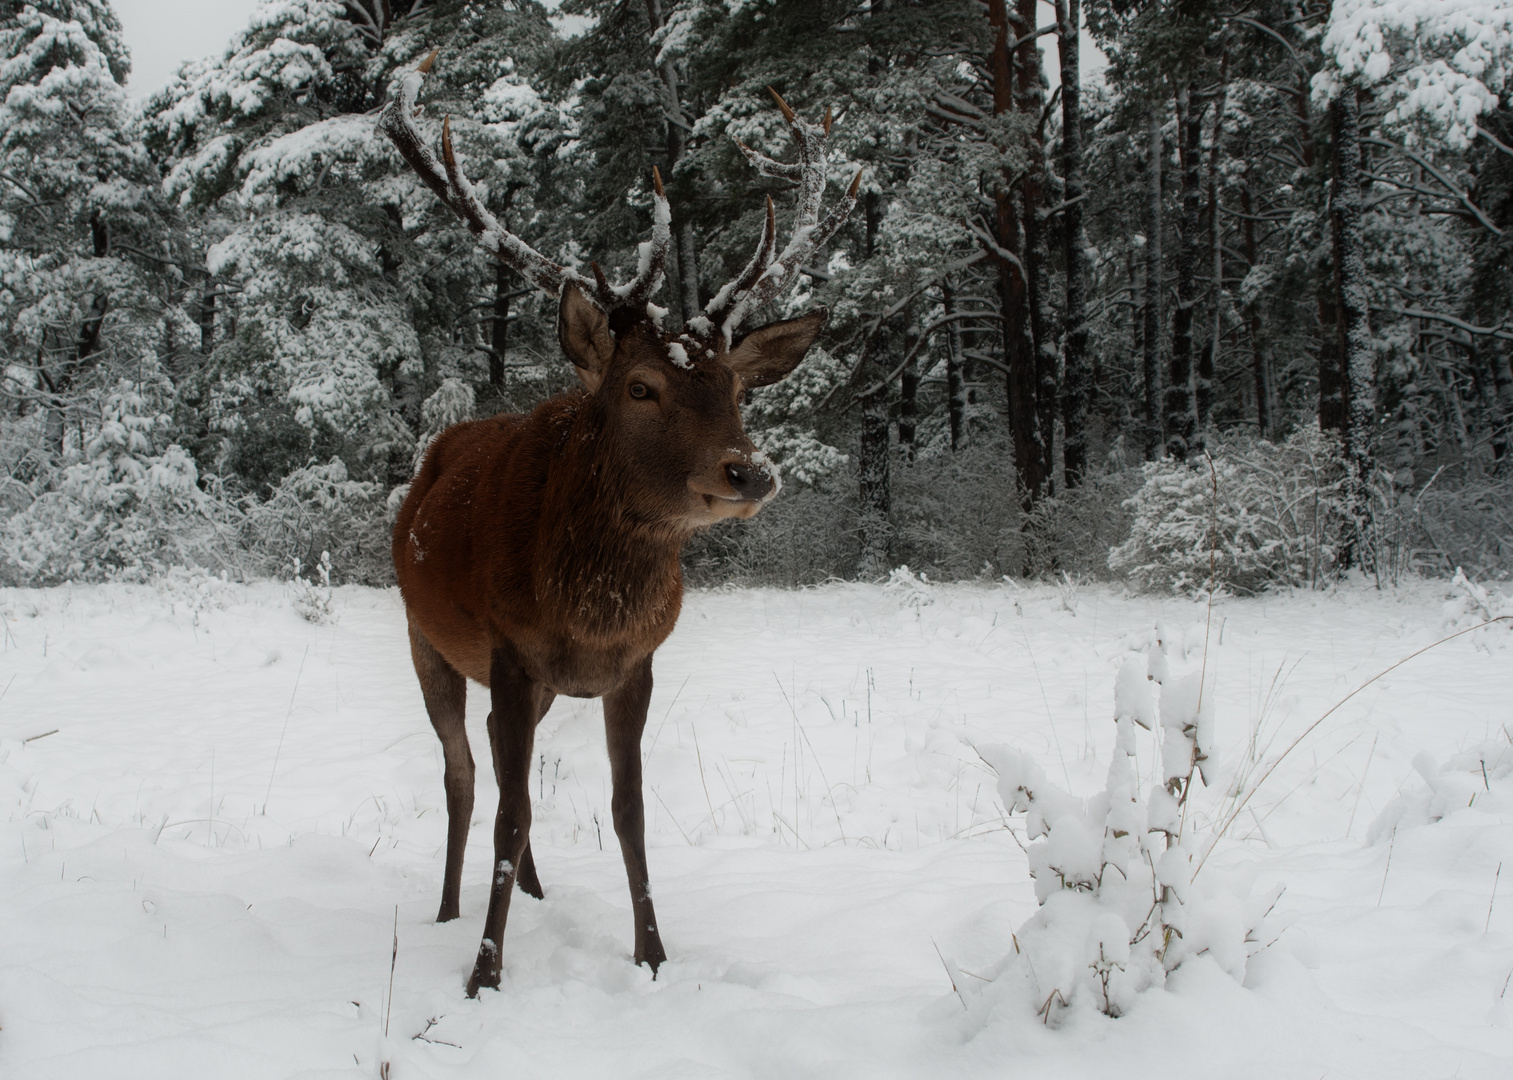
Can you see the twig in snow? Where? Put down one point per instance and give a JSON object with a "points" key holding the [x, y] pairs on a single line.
{"points": [[1390, 843], [702, 781], [670, 814], [663, 724], [287, 713], [393, 960], [802, 731], [1492, 901], [421, 1035], [954, 988], [34, 738]]}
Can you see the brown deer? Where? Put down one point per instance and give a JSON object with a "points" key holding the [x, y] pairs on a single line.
{"points": [[537, 554]]}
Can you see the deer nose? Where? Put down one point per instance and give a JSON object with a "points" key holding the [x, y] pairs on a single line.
{"points": [[749, 482]]}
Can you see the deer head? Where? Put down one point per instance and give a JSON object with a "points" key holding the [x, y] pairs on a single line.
{"points": [[666, 404]]}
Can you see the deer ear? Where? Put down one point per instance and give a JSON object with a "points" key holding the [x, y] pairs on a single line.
{"points": [[769, 353], [583, 331]]}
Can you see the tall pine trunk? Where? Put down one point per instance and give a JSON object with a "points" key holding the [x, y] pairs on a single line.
{"points": [[1253, 314], [956, 389], [908, 396], [1036, 250], [1204, 383], [1352, 302], [86, 346], [499, 330], [872, 468], [1077, 390], [1013, 284], [207, 316], [1155, 433], [1181, 422]]}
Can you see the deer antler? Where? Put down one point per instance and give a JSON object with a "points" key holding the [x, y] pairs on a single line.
{"points": [[447, 180], [764, 278]]}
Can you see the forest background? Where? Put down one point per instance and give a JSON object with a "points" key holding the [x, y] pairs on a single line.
{"points": [[1234, 310]]}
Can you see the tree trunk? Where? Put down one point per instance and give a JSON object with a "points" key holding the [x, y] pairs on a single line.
{"points": [[207, 317], [872, 468], [1358, 376], [908, 398], [1078, 380], [1496, 359], [1013, 287], [1210, 359], [1181, 421], [499, 330], [86, 346], [1253, 315], [1037, 258], [956, 393], [1155, 427]]}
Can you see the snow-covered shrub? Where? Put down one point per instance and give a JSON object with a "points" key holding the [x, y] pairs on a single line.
{"points": [[1260, 513], [1116, 875], [1476, 779], [130, 509], [957, 516], [310, 600], [1443, 526], [1072, 531], [320, 509]]}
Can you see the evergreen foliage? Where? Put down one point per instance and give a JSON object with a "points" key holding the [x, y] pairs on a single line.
{"points": [[1281, 227]]}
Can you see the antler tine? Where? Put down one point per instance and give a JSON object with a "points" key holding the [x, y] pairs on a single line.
{"points": [[760, 284], [788, 113], [736, 290], [653, 253], [397, 121]]}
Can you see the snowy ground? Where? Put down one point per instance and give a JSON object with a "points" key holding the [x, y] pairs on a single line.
{"points": [[210, 810]]}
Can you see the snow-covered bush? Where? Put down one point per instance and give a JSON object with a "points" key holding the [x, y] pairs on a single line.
{"points": [[319, 510], [1260, 513], [310, 600], [130, 509], [1476, 779], [1116, 875]]}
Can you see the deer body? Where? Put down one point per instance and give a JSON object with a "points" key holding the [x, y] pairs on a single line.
{"points": [[511, 533], [538, 554]]}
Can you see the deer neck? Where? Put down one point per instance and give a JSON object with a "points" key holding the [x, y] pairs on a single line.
{"points": [[616, 570]]}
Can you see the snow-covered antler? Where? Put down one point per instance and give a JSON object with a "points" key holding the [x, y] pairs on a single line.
{"points": [[446, 179], [764, 278]]}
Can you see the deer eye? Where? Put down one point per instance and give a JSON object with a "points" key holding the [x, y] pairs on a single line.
{"points": [[638, 390]]}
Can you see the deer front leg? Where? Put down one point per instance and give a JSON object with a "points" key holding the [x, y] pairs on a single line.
{"points": [[445, 693], [519, 705], [624, 721]]}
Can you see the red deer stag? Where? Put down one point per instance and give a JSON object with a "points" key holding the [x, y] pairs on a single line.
{"points": [[538, 554]]}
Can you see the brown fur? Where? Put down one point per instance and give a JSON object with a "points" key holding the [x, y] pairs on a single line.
{"points": [[538, 555]]}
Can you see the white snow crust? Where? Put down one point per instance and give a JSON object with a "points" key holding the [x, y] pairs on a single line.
{"points": [[210, 810]]}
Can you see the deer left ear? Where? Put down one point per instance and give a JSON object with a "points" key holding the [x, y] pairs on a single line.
{"points": [[769, 353]]}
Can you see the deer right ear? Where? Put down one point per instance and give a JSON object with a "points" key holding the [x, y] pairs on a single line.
{"points": [[583, 331]]}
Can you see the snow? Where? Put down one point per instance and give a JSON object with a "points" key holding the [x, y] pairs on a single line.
{"points": [[211, 811], [678, 355]]}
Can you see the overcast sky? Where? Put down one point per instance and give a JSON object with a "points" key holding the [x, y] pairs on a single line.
{"points": [[164, 33]]}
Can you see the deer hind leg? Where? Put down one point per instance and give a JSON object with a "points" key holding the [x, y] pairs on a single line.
{"points": [[519, 705], [624, 721], [445, 692]]}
